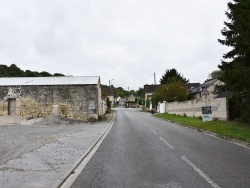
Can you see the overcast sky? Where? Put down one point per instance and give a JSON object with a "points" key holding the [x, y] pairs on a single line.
{"points": [[124, 40]]}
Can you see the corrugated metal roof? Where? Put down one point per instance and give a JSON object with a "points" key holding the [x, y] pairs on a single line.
{"points": [[64, 80]]}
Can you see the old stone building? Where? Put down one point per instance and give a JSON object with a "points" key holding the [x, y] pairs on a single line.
{"points": [[71, 97]]}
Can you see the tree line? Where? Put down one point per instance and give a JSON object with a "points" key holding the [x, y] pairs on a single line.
{"points": [[14, 71]]}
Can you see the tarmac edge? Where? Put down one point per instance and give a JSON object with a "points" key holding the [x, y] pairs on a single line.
{"points": [[62, 182]]}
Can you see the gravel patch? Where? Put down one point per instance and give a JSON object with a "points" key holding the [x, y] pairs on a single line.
{"points": [[39, 153]]}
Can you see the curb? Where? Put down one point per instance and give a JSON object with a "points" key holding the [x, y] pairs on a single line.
{"points": [[212, 134], [77, 163]]}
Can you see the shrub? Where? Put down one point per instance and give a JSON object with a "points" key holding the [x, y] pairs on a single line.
{"points": [[199, 117]]}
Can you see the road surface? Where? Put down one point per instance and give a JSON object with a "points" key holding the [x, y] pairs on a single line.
{"points": [[143, 151], [42, 155]]}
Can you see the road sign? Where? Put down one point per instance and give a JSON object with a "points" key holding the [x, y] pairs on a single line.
{"points": [[204, 91], [92, 105], [206, 113]]}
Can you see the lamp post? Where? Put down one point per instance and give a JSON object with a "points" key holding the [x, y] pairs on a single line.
{"points": [[110, 82], [110, 90]]}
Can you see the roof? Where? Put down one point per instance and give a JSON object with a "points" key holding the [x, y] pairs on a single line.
{"points": [[191, 85], [107, 90], [224, 94], [150, 88], [208, 83], [194, 90], [53, 80]]}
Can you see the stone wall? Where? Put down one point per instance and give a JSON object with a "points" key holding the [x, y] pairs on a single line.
{"points": [[193, 108], [70, 101]]}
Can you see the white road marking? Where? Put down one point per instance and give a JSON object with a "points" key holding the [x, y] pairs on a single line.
{"points": [[169, 145], [153, 131], [204, 176]]}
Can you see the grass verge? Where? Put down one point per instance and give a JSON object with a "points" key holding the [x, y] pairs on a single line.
{"points": [[224, 129]]}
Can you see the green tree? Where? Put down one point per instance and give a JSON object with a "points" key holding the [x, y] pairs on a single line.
{"points": [[29, 73], [236, 64], [171, 75], [175, 91], [140, 93], [141, 101], [120, 92], [44, 74], [14, 71], [215, 75], [156, 97], [3, 71], [58, 74]]}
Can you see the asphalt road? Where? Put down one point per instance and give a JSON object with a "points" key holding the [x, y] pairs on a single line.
{"points": [[144, 151]]}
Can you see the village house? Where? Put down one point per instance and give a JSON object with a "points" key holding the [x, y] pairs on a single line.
{"points": [[149, 90], [107, 92], [201, 95], [198, 91], [122, 101], [71, 97], [131, 102]]}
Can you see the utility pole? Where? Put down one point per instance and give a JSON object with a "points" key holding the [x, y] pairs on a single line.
{"points": [[154, 78], [111, 91], [155, 92]]}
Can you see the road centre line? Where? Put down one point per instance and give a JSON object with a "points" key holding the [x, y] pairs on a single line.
{"points": [[202, 174], [169, 145], [153, 131]]}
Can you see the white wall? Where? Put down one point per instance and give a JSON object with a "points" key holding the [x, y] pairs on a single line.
{"points": [[162, 107], [193, 108]]}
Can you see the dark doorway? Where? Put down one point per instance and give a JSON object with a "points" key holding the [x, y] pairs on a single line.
{"points": [[12, 107]]}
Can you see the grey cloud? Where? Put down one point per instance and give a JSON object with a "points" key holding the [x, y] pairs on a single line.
{"points": [[124, 40]]}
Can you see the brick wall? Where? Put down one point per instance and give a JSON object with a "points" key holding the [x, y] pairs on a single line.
{"points": [[71, 101]]}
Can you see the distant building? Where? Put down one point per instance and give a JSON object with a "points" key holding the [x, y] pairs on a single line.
{"points": [[149, 90], [107, 91], [131, 102], [122, 101]]}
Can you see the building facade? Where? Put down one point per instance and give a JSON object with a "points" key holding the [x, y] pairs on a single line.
{"points": [[69, 97]]}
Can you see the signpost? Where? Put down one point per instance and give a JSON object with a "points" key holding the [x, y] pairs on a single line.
{"points": [[206, 113], [206, 110]]}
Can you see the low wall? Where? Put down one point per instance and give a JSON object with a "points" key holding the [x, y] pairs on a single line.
{"points": [[192, 108]]}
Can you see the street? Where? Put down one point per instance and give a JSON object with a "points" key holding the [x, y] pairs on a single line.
{"points": [[144, 151]]}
